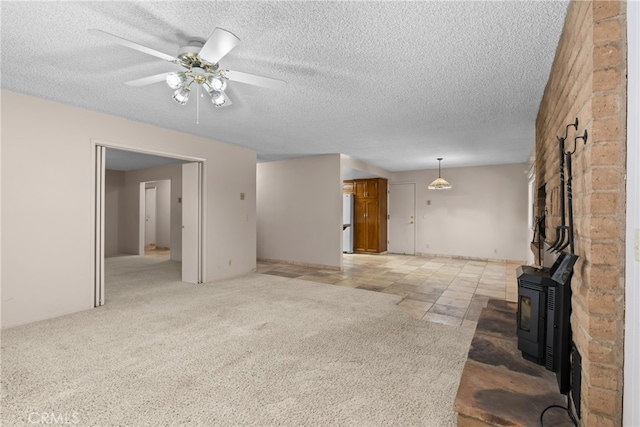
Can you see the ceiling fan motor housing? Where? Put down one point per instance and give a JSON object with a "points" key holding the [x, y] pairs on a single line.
{"points": [[188, 57]]}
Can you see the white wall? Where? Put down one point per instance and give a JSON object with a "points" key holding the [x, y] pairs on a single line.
{"points": [[350, 163], [169, 224], [299, 206], [48, 142], [114, 187], [484, 215]]}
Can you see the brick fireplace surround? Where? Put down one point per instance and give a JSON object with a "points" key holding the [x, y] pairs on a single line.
{"points": [[588, 81]]}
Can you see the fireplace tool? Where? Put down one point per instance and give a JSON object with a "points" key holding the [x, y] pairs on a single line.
{"points": [[568, 155], [539, 230], [562, 228], [566, 267]]}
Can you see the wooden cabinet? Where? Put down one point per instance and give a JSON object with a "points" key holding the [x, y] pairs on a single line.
{"points": [[347, 187], [366, 188], [366, 236], [370, 215]]}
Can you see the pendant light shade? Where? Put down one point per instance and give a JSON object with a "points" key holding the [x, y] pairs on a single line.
{"points": [[439, 183]]}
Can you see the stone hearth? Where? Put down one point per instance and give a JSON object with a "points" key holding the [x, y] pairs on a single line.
{"points": [[500, 388]]}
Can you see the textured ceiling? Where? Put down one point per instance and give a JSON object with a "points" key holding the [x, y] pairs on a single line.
{"points": [[395, 84]]}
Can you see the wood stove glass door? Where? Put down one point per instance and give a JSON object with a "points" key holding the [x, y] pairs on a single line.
{"points": [[529, 305]]}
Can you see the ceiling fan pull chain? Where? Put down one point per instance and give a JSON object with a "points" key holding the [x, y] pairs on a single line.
{"points": [[198, 105]]}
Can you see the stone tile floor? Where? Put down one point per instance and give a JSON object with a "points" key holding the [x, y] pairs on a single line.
{"points": [[437, 289]]}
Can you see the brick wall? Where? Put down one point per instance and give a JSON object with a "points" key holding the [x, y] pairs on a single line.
{"points": [[588, 81]]}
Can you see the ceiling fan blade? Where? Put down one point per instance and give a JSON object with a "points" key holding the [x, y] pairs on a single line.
{"points": [[252, 79], [219, 44], [148, 80], [132, 45]]}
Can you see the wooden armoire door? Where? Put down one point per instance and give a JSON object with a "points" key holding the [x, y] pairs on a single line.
{"points": [[360, 188], [373, 225], [370, 218], [360, 225], [366, 232], [366, 188]]}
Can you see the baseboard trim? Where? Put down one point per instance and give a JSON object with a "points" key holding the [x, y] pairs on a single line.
{"points": [[303, 264]]}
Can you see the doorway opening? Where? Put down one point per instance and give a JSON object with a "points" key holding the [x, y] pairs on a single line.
{"points": [[155, 218], [149, 206]]}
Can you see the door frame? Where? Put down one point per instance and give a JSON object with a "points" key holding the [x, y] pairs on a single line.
{"points": [[97, 200], [631, 371], [415, 216], [142, 232]]}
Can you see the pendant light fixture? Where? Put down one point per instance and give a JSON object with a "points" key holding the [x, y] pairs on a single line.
{"points": [[439, 183]]}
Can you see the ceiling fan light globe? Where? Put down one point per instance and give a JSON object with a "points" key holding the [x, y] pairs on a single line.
{"points": [[175, 80], [181, 96], [217, 98], [218, 83]]}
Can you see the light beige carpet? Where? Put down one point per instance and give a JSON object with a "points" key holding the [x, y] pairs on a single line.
{"points": [[255, 350]]}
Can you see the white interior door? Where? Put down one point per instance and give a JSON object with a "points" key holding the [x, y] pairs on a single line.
{"points": [[402, 219], [150, 223], [191, 223]]}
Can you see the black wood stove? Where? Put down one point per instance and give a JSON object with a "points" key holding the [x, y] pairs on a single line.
{"points": [[533, 287], [544, 310]]}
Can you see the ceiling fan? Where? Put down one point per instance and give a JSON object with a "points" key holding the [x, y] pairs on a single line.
{"points": [[200, 62]]}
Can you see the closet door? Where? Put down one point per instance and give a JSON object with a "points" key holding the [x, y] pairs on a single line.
{"points": [[191, 223]]}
